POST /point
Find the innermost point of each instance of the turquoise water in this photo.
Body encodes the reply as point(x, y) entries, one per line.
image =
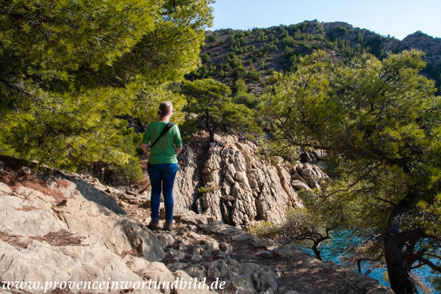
point(334, 248)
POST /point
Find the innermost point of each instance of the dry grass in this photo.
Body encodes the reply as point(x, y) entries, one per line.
point(13, 240)
point(15, 176)
point(60, 238)
point(27, 208)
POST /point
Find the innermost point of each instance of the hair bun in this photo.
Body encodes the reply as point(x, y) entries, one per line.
point(165, 108)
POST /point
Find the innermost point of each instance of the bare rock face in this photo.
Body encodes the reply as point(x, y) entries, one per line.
point(29, 217)
point(40, 261)
point(50, 232)
point(236, 185)
point(187, 178)
point(117, 233)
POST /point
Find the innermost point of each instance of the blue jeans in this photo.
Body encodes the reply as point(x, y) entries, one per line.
point(162, 177)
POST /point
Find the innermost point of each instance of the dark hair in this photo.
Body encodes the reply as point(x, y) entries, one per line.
point(164, 108)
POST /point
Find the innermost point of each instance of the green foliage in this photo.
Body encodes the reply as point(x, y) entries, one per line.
point(70, 69)
point(264, 229)
point(435, 73)
point(254, 75)
point(341, 31)
point(302, 226)
point(237, 39)
point(340, 40)
point(239, 72)
point(239, 86)
point(261, 37)
point(56, 37)
point(374, 46)
point(212, 38)
point(379, 122)
point(205, 58)
point(432, 215)
point(147, 98)
point(205, 189)
point(234, 61)
point(209, 100)
point(206, 98)
point(240, 119)
point(69, 132)
point(249, 100)
point(288, 41)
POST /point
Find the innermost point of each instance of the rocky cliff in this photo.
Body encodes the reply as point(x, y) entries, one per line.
point(68, 232)
point(236, 185)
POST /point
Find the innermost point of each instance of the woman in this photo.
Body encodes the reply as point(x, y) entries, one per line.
point(163, 163)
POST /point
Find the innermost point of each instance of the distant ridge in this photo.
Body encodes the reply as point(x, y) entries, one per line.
point(250, 56)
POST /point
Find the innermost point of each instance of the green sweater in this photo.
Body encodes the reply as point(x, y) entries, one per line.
point(164, 149)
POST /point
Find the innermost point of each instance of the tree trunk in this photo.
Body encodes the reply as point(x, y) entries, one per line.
point(316, 251)
point(394, 252)
point(209, 128)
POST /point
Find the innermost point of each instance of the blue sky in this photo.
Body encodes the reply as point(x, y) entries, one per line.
point(397, 18)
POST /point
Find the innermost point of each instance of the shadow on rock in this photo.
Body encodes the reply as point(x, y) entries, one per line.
point(93, 194)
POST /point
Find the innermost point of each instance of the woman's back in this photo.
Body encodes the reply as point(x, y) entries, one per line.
point(164, 149)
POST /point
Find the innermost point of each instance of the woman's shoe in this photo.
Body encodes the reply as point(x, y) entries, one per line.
point(168, 226)
point(153, 225)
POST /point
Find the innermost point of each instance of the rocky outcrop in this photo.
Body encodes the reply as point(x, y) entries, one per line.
point(236, 185)
point(420, 41)
point(53, 234)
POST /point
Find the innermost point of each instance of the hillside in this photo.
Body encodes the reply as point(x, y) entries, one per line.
point(253, 55)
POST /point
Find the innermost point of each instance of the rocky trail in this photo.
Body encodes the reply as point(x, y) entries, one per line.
point(60, 227)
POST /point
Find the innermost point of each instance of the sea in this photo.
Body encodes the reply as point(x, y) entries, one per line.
point(335, 248)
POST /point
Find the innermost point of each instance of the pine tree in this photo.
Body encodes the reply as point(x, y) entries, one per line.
point(71, 70)
point(209, 100)
point(379, 124)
